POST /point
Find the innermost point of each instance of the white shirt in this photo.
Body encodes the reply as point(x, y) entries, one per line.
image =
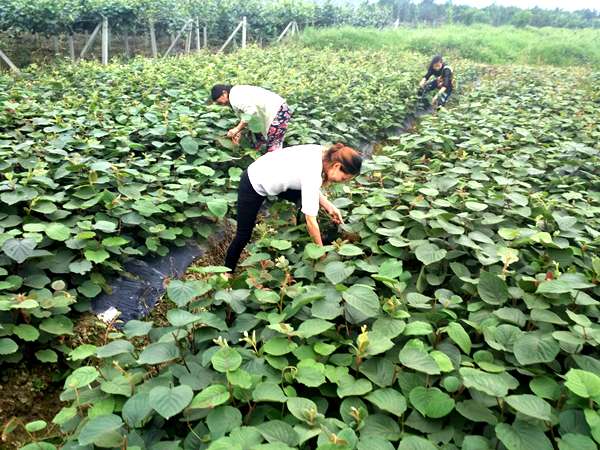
point(298, 167)
point(255, 100)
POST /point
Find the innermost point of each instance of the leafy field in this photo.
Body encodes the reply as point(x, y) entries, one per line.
point(458, 309)
point(102, 165)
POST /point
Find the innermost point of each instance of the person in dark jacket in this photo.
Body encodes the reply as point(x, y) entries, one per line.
point(443, 81)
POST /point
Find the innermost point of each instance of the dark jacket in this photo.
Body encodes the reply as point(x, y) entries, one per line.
point(443, 76)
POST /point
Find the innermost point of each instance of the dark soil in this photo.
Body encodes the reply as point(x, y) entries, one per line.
point(29, 391)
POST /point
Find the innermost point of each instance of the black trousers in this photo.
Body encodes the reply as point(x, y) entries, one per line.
point(432, 86)
point(248, 205)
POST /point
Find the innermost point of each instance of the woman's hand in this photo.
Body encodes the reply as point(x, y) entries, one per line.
point(237, 138)
point(233, 132)
point(335, 214)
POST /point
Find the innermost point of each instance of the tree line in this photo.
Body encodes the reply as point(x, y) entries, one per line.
point(269, 16)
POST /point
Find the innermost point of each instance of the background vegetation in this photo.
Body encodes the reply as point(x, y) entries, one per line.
point(483, 43)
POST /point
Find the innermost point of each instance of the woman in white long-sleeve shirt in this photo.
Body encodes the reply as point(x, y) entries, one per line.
point(270, 108)
point(293, 173)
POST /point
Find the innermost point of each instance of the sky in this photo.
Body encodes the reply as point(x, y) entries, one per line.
point(567, 5)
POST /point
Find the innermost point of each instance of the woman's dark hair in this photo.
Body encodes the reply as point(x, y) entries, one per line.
point(436, 59)
point(218, 89)
point(349, 159)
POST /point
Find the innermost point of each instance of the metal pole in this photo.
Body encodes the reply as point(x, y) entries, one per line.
point(105, 41)
point(90, 41)
point(244, 31)
point(231, 37)
point(153, 45)
point(7, 60)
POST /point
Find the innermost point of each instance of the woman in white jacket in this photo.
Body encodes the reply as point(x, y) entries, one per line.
point(295, 174)
point(270, 108)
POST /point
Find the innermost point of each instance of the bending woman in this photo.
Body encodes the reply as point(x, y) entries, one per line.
point(443, 81)
point(293, 173)
point(271, 109)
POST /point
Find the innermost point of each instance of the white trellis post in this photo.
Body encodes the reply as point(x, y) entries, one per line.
point(176, 39)
point(244, 31)
point(90, 41)
point(188, 40)
point(198, 43)
point(153, 45)
point(105, 41)
point(230, 38)
point(126, 39)
point(205, 35)
point(7, 60)
point(72, 47)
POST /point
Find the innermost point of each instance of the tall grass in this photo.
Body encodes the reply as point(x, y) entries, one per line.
point(482, 43)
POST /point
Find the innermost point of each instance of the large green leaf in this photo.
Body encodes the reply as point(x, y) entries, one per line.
point(388, 400)
point(363, 299)
point(429, 253)
point(211, 397)
point(137, 409)
point(533, 348)
point(419, 360)
point(102, 431)
point(494, 384)
point(492, 289)
point(159, 352)
point(522, 436)
point(431, 402)
point(170, 401)
point(584, 384)
point(337, 271)
point(8, 346)
point(530, 405)
point(226, 359)
point(19, 249)
point(183, 292)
